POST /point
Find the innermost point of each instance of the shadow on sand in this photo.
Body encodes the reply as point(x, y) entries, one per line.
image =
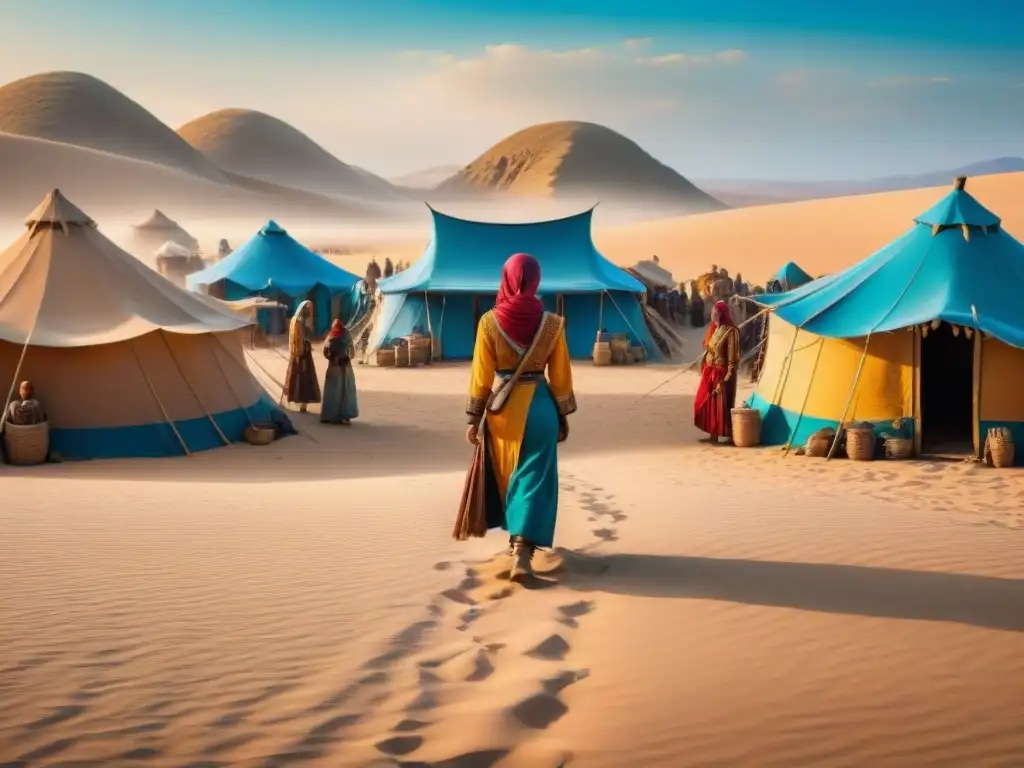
point(980, 601)
point(397, 434)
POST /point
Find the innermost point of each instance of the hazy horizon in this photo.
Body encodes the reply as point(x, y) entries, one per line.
point(797, 93)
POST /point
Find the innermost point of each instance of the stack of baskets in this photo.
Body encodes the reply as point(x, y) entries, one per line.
point(746, 427)
point(27, 445)
point(860, 442)
point(999, 449)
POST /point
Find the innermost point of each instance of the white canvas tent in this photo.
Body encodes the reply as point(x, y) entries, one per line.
point(125, 362)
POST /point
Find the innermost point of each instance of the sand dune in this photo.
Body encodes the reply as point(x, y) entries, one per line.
point(262, 147)
point(120, 189)
point(820, 235)
point(78, 109)
point(576, 159)
point(427, 178)
point(307, 605)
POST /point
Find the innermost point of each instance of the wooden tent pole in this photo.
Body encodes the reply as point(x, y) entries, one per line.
point(807, 395)
point(227, 381)
point(152, 390)
point(849, 399)
point(177, 364)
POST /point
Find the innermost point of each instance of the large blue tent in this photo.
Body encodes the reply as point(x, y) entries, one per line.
point(836, 352)
point(275, 265)
point(956, 261)
point(457, 277)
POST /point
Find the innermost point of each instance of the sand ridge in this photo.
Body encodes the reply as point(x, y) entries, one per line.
point(261, 146)
point(307, 604)
point(576, 158)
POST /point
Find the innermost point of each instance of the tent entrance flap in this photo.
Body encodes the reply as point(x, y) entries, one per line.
point(947, 392)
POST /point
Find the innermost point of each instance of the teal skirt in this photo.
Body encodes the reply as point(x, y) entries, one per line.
point(340, 402)
point(530, 507)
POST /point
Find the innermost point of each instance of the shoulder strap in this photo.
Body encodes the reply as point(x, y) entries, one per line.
point(500, 395)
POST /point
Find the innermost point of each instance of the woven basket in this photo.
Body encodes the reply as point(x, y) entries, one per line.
point(401, 356)
point(257, 435)
point(620, 343)
point(618, 356)
point(746, 427)
point(860, 443)
point(27, 445)
point(386, 357)
point(638, 353)
point(602, 353)
point(899, 448)
point(999, 450)
point(817, 446)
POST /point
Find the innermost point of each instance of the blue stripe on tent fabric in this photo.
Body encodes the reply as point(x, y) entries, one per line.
point(158, 439)
point(777, 423)
point(1016, 429)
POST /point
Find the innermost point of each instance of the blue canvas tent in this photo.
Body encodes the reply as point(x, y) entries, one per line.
point(457, 277)
point(792, 276)
point(275, 265)
point(837, 349)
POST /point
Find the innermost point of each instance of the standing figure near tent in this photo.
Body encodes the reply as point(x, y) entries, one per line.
point(516, 427)
point(300, 384)
point(340, 404)
point(696, 306)
point(716, 395)
point(389, 268)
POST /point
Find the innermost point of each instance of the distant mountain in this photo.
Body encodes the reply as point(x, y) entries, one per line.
point(759, 191)
point(576, 159)
point(428, 178)
point(77, 109)
point(263, 147)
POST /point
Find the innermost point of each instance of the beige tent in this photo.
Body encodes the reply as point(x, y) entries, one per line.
point(125, 362)
point(157, 229)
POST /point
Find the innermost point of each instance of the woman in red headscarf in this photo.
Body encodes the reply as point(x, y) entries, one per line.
point(517, 417)
point(340, 404)
point(716, 395)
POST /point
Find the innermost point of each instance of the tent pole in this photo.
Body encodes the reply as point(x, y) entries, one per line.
point(979, 348)
point(600, 312)
point(440, 329)
point(227, 381)
point(849, 399)
point(177, 364)
point(156, 397)
point(628, 324)
point(430, 325)
point(807, 394)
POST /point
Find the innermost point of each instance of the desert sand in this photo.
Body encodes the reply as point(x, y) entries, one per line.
point(303, 603)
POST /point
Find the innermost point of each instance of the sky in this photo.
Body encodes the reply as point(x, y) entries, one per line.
point(733, 89)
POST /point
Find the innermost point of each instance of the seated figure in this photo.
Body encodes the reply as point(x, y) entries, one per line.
point(25, 410)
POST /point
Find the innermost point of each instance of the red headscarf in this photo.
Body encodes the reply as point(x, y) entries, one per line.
point(517, 308)
point(337, 328)
point(724, 318)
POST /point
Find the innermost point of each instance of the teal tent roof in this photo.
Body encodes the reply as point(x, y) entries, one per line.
point(793, 275)
point(467, 256)
point(956, 257)
point(274, 259)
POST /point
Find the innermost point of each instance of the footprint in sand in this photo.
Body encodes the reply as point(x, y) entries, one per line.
point(554, 648)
